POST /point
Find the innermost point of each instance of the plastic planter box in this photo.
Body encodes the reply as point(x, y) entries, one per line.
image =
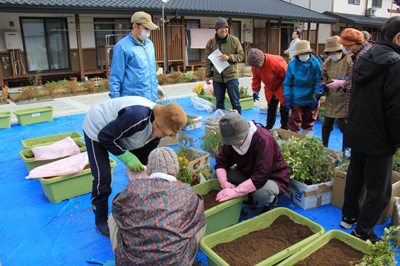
point(64, 187)
point(350, 240)
point(29, 159)
point(245, 103)
point(34, 115)
point(5, 120)
point(46, 140)
point(223, 215)
point(260, 222)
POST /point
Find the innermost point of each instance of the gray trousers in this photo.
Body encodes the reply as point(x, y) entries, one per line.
point(262, 196)
point(112, 225)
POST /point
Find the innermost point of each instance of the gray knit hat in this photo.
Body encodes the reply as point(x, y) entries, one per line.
point(233, 128)
point(221, 22)
point(162, 160)
point(255, 57)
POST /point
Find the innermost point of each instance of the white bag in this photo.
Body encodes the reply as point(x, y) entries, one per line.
point(201, 104)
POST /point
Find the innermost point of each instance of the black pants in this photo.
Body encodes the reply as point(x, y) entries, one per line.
point(373, 173)
point(271, 118)
point(329, 124)
point(101, 170)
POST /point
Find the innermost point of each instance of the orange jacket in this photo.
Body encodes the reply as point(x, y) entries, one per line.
point(272, 74)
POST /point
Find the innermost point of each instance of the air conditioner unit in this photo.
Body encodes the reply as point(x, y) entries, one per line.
point(371, 12)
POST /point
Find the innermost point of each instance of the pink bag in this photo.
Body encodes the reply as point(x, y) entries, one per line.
point(70, 165)
point(59, 149)
point(136, 175)
point(208, 87)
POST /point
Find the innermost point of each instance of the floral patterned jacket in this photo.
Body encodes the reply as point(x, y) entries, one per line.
point(157, 221)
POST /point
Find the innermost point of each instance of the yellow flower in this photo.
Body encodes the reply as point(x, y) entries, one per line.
point(187, 161)
point(184, 167)
point(180, 159)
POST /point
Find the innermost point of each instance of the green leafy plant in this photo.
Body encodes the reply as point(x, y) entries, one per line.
point(383, 251)
point(244, 92)
point(396, 162)
point(308, 163)
point(189, 120)
point(212, 140)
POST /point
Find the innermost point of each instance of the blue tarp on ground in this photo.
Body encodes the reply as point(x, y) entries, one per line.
point(34, 231)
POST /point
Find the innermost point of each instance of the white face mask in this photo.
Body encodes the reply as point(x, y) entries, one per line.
point(347, 52)
point(304, 58)
point(335, 57)
point(145, 35)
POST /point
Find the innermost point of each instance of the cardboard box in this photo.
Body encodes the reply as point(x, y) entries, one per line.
point(196, 123)
point(396, 218)
point(285, 135)
point(168, 141)
point(309, 196)
point(264, 110)
point(339, 184)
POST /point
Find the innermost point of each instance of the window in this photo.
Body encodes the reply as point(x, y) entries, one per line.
point(193, 55)
point(109, 31)
point(354, 2)
point(46, 44)
point(377, 3)
point(236, 30)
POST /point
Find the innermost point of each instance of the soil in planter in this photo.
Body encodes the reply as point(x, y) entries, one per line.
point(335, 252)
point(209, 199)
point(259, 245)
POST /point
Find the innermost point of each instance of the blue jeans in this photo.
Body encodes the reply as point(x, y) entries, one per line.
point(233, 91)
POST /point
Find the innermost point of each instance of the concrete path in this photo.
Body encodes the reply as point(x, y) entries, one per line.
point(81, 104)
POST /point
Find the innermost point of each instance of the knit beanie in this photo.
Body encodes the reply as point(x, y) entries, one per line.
point(220, 22)
point(162, 160)
point(233, 128)
point(255, 57)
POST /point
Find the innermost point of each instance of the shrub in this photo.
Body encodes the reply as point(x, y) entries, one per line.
point(175, 77)
point(51, 88)
point(199, 74)
point(90, 85)
point(28, 93)
point(71, 88)
point(162, 79)
point(104, 85)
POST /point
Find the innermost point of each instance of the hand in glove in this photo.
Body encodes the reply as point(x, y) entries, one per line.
point(223, 179)
point(287, 103)
point(255, 96)
point(131, 161)
point(314, 104)
point(321, 90)
point(336, 83)
point(230, 193)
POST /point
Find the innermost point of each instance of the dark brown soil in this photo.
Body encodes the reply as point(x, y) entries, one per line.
point(209, 199)
point(335, 252)
point(259, 245)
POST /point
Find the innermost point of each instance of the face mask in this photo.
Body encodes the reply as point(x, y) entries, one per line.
point(145, 35)
point(304, 58)
point(347, 52)
point(335, 57)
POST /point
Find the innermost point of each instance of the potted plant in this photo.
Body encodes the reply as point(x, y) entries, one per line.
point(193, 122)
point(246, 99)
point(311, 169)
point(73, 79)
point(212, 141)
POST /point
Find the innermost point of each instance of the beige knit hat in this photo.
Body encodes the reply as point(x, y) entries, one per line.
point(303, 47)
point(332, 45)
point(255, 57)
point(162, 160)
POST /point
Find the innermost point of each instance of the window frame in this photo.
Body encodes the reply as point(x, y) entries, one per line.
point(354, 2)
point(375, 3)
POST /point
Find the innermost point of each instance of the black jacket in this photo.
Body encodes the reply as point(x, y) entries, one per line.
point(374, 111)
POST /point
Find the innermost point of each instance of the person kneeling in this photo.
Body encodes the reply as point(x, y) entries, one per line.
point(157, 220)
point(260, 168)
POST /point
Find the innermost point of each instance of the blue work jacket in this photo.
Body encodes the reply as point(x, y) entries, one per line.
point(133, 69)
point(302, 81)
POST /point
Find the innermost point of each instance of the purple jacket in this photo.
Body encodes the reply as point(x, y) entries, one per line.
point(262, 161)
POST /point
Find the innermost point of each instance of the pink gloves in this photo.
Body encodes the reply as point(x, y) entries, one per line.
point(336, 84)
point(222, 176)
point(230, 193)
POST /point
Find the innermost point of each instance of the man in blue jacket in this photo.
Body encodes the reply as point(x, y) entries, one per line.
point(130, 128)
point(133, 68)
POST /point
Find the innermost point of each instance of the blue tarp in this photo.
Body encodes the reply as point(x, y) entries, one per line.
point(34, 231)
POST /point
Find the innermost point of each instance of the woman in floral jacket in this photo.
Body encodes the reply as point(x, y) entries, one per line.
point(157, 220)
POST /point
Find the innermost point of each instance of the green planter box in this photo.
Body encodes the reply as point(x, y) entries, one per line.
point(223, 215)
point(34, 115)
point(29, 159)
point(321, 114)
point(260, 222)
point(5, 120)
point(350, 240)
point(46, 140)
point(245, 103)
point(60, 188)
